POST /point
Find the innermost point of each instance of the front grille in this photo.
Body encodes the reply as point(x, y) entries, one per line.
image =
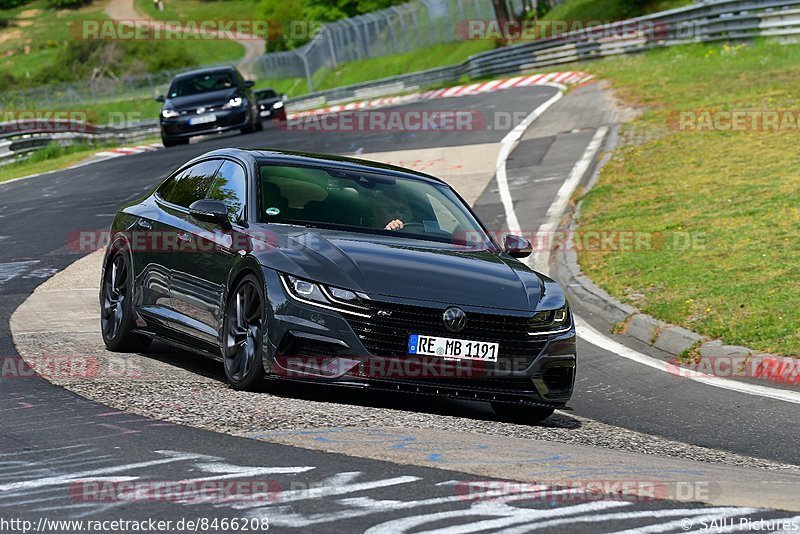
point(387, 335)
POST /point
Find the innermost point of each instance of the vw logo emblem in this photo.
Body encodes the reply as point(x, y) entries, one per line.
point(201, 109)
point(454, 319)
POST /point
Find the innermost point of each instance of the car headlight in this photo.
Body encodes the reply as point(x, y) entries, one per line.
point(277, 105)
point(547, 321)
point(169, 113)
point(234, 102)
point(317, 293)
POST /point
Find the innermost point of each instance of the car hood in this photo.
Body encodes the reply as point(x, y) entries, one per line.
point(404, 268)
point(213, 98)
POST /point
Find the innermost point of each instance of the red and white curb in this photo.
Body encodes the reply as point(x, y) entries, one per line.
point(563, 78)
point(129, 150)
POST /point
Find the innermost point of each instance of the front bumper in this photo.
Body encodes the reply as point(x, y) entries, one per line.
point(272, 114)
point(225, 119)
point(308, 343)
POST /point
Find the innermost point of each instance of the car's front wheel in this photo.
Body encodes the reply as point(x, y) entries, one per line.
point(169, 142)
point(116, 307)
point(517, 413)
point(243, 333)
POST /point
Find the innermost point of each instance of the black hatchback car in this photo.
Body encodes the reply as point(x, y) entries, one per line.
point(317, 268)
point(207, 101)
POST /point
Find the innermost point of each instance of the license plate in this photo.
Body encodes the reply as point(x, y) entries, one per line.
point(464, 349)
point(265, 113)
point(203, 119)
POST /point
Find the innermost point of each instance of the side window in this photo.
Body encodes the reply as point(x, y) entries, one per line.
point(444, 217)
point(230, 186)
point(190, 185)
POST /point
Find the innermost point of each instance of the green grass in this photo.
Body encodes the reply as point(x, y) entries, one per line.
point(50, 158)
point(585, 10)
point(735, 192)
point(197, 10)
point(32, 42)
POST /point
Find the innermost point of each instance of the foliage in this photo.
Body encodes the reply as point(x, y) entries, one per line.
point(293, 22)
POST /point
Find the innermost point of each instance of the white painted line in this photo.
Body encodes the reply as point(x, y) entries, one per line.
point(506, 146)
point(540, 260)
point(591, 335)
point(552, 218)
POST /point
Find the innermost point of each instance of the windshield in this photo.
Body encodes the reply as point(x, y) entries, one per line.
point(265, 93)
point(201, 83)
point(367, 202)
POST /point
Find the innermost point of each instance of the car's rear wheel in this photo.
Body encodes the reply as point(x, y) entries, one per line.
point(116, 307)
point(243, 333)
point(517, 413)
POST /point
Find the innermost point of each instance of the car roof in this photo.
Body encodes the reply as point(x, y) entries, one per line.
point(206, 70)
point(290, 157)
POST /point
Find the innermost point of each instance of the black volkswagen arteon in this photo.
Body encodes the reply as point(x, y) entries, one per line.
point(305, 267)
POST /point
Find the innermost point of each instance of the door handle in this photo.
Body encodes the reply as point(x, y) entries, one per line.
point(144, 224)
point(183, 236)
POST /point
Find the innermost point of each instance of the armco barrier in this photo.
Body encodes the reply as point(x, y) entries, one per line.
point(714, 21)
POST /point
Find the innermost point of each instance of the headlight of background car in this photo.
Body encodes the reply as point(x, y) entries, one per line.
point(233, 103)
point(549, 320)
point(277, 105)
point(305, 290)
point(169, 113)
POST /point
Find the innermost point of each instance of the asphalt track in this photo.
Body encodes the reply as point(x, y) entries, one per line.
point(50, 437)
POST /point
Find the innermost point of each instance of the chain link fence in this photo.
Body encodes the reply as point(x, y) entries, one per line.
point(396, 30)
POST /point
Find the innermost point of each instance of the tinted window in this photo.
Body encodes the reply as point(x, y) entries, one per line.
point(230, 186)
point(367, 202)
point(202, 83)
point(191, 184)
point(265, 93)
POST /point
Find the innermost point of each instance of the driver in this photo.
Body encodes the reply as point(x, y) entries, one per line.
point(391, 209)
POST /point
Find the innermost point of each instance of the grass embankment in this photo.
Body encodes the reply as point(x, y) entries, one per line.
point(587, 10)
point(35, 48)
point(736, 192)
point(52, 158)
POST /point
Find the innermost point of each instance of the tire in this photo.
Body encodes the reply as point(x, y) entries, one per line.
point(243, 334)
point(167, 142)
point(251, 126)
point(117, 319)
point(518, 413)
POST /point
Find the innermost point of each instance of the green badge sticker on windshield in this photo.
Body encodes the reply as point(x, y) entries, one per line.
point(273, 211)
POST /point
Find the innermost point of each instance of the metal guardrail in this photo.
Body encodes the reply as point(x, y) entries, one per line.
point(721, 20)
point(17, 140)
point(714, 21)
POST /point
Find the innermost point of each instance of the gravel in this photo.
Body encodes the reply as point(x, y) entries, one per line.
point(189, 390)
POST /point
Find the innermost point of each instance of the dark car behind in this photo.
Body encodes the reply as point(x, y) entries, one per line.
point(271, 105)
point(207, 101)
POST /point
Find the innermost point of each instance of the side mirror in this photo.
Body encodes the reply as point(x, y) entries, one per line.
point(517, 246)
point(160, 98)
point(249, 83)
point(214, 211)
